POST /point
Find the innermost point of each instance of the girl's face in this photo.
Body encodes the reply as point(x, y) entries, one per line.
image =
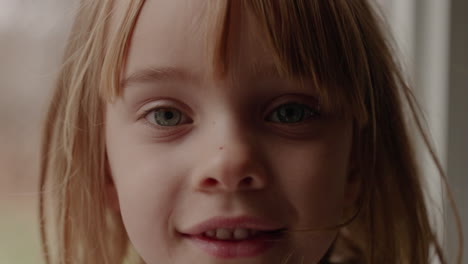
point(208, 169)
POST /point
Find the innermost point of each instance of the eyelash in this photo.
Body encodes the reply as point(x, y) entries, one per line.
point(310, 113)
point(152, 125)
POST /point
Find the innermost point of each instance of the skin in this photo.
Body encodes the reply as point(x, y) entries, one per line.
point(226, 157)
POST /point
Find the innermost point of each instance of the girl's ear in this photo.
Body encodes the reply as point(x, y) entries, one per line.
point(353, 188)
point(354, 181)
point(112, 199)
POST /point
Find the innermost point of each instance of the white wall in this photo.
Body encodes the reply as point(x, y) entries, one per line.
point(32, 34)
point(457, 148)
point(433, 38)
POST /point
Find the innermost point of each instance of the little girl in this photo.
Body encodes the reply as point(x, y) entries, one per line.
point(231, 131)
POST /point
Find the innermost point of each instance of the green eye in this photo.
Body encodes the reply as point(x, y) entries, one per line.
point(292, 113)
point(165, 117)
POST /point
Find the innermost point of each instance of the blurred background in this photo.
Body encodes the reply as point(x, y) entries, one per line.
point(432, 38)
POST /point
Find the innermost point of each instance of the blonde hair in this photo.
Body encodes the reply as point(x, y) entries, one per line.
point(339, 44)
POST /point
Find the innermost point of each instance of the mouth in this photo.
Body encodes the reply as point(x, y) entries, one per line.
point(238, 234)
point(235, 237)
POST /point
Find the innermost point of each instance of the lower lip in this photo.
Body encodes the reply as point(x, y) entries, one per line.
point(234, 249)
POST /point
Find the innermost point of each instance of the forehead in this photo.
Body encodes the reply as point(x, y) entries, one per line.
point(180, 34)
point(315, 44)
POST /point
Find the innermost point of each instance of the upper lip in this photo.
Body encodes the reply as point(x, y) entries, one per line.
point(231, 223)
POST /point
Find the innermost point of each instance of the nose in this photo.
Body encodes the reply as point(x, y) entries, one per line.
point(233, 166)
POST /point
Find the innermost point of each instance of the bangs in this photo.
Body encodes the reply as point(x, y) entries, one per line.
point(309, 40)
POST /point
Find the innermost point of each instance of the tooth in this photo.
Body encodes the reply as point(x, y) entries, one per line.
point(241, 233)
point(211, 233)
point(223, 234)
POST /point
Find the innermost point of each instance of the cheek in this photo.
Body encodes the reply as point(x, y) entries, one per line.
point(147, 185)
point(313, 177)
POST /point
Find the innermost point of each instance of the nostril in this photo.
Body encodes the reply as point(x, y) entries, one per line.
point(210, 182)
point(246, 181)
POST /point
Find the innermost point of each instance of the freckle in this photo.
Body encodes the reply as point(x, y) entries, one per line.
point(221, 148)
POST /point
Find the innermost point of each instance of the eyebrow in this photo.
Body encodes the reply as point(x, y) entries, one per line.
point(159, 74)
point(155, 74)
point(265, 71)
